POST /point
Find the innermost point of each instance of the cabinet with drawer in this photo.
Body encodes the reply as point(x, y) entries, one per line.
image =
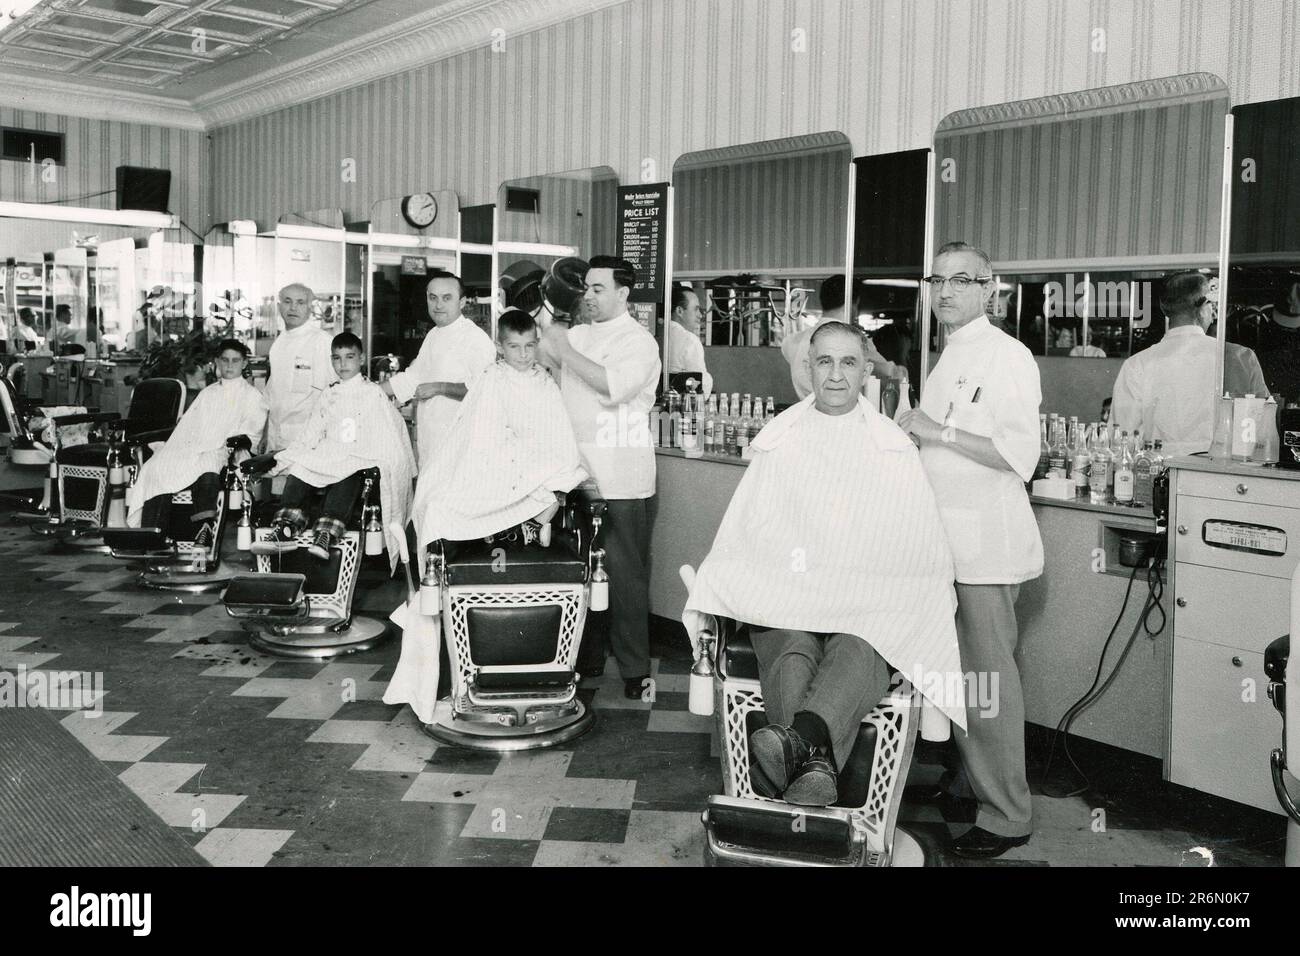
point(1234, 543)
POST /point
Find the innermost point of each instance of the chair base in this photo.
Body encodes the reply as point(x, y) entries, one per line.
point(163, 577)
point(76, 533)
point(319, 640)
point(482, 734)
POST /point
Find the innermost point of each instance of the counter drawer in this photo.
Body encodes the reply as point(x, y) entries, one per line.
point(1230, 608)
point(1189, 546)
point(1259, 489)
point(1219, 743)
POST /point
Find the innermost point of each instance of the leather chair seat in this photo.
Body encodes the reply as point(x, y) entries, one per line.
point(478, 563)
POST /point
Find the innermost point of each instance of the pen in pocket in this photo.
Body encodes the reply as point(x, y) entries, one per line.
point(976, 397)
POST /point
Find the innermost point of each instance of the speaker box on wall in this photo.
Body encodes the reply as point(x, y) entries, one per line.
point(142, 188)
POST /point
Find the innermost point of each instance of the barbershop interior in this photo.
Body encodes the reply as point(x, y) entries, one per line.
point(649, 433)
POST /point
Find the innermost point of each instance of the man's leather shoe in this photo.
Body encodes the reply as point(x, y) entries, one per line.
point(817, 784)
point(762, 786)
point(979, 844)
point(634, 687)
point(780, 752)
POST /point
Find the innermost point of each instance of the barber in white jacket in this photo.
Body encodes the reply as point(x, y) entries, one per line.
point(300, 367)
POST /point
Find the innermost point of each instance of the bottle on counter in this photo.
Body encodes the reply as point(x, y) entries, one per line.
point(1221, 443)
point(1143, 477)
point(1124, 472)
point(1112, 446)
point(1079, 461)
point(1098, 468)
point(711, 425)
point(1270, 444)
point(743, 425)
point(1058, 457)
point(729, 427)
point(1158, 458)
point(1044, 449)
point(904, 397)
point(769, 410)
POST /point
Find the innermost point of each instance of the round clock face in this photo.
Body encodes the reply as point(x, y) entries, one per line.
point(420, 210)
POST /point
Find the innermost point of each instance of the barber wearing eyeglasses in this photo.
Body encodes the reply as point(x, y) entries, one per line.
point(977, 428)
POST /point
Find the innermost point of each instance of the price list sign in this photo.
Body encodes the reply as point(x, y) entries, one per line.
point(642, 232)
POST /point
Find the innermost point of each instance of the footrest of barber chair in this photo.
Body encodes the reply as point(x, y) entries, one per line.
point(761, 833)
point(490, 680)
point(268, 598)
point(517, 724)
point(136, 543)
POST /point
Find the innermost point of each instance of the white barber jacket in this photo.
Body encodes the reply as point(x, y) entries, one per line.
point(614, 433)
point(300, 371)
point(686, 353)
point(456, 353)
point(986, 383)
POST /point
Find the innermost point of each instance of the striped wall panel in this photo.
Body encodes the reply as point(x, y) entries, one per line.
point(787, 212)
point(637, 85)
point(94, 149)
point(1138, 183)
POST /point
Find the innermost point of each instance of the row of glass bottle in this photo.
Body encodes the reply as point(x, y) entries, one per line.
point(1106, 464)
point(716, 425)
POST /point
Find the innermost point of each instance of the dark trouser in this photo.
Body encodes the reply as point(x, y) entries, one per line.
point(993, 747)
point(625, 536)
point(838, 677)
point(340, 499)
point(205, 491)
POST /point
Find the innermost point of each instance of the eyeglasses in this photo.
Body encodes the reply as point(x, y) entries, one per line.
point(959, 283)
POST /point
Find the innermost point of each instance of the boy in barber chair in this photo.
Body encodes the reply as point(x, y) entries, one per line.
point(197, 450)
point(353, 427)
point(509, 455)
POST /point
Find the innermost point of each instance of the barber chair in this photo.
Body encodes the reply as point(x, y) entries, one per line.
point(170, 558)
point(299, 606)
point(512, 616)
point(25, 449)
point(1285, 759)
point(744, 828)
point(81, 472)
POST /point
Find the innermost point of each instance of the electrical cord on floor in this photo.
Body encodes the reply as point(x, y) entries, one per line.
point(1155, 591)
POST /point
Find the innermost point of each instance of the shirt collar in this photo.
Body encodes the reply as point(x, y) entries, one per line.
point(971, 330)
point(1193, 329)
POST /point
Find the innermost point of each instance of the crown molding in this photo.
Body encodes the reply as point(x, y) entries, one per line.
point(1143, 94)
point(447, 30)
point(768, 149)
point(40, 94)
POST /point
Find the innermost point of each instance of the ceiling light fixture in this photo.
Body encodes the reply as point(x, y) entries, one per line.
point(101, 217)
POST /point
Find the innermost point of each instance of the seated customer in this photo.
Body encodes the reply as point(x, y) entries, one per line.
point(196, 451)
point(509, 453)
point(833, 553)
point(352, 427)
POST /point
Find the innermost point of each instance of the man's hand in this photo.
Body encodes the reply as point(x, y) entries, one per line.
point(427, 391)
point(918, 423)
point(555, 341)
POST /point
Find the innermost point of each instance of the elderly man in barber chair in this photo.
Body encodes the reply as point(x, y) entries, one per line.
point(833, 553)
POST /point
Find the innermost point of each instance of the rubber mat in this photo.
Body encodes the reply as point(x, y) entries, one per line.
point(63, 807)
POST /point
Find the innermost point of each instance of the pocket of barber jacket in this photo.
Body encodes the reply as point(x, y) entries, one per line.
point(973, 417)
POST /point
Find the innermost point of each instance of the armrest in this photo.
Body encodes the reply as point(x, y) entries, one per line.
point(86, 418)
point(258, 465)
point(144, 438)
point(589, 499)
point(239, 443)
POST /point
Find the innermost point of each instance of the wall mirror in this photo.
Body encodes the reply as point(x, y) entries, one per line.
point(1263, 311)
point(756, 229)
point(399, 257)
point(311, 248)
point(1084, 201)
point(541, 219)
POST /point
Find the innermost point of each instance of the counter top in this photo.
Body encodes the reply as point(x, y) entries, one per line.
point(1083, 504)
point(1217, 466)
point(716, 459)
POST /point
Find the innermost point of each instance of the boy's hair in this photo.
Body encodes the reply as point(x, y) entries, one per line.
point(515, 320)
point(346, 340)
point(232, 345)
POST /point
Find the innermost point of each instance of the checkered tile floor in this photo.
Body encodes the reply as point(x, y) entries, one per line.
point(259, 761)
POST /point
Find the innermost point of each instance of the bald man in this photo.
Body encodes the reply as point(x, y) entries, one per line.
point(300, 367)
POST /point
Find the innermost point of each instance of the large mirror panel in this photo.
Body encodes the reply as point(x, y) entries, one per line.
point(1085, 202)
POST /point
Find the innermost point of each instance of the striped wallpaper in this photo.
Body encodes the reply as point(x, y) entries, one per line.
point(1143, 182)
point(93, 149)
point(787, 212)
point(639, 84)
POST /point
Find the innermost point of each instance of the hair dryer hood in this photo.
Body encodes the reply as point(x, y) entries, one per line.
point(565, 283)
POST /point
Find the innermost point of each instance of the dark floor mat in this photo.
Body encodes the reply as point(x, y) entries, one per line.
point(63, 807)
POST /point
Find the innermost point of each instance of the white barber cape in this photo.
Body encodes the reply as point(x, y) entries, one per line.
point(834, 529)
point(300, 371)
point(986, 383)
point(456, 353)
point(354, 426)
point(510, 449)
point(198, 444)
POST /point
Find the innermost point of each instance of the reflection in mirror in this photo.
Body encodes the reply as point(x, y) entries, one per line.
point(24, 302)
point(542, 219)
point(1263, 312)
point(757, 229)
point(230, 281)
point(310, 249)
point(888, 262)
point(1084, 201)
point(118, 298)
point(71, 284)
point(401, 257)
